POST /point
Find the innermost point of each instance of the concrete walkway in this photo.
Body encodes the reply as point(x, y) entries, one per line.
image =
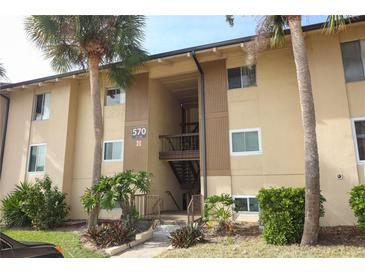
point(153, 247)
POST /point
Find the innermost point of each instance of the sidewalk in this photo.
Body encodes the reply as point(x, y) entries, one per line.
point(153, 247)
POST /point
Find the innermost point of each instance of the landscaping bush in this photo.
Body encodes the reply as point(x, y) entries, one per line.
point(357, 203)
point(187, 236)
point(118, 189)
point(219, 208)
point(12, 208)
point(111, 234)
point(282, 214)
point(38, 204)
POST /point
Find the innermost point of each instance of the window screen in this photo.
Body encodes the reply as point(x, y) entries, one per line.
point(242, 77)
point(114, 97)
point(353, 60)
point(42, 106)
point(249, 76)
point(246, 204)
point(113, 150)
point(37, 157)
point(360, 138)
point(245, 141)
point(234, 78)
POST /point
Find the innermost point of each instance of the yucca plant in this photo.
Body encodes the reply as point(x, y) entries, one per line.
point(13, 208)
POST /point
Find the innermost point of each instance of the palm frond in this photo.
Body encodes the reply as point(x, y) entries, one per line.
point(69, 41)
point(230, 20)
point(2, 71)
point(335, 23)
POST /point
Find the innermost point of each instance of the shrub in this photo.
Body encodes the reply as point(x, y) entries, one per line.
point(119, 188)
point(282, 214)
point(357, 203)
point(12, 208)
point(37, 204)
point(187, 236)
point(111, 234)
point(219, 208)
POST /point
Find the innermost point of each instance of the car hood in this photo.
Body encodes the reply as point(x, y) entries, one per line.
point(35, 244)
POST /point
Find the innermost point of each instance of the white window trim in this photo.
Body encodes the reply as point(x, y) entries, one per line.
point(35, 145)
point(113, 141)
point(245, 153)
point(120, 102)
point(353, 120)
point(248, 204)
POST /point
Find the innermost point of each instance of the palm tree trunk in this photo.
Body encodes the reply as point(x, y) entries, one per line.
point(312, 187)
point(98, 130)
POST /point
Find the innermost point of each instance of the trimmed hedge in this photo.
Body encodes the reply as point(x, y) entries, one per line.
point(357, 203)
point(282, 214)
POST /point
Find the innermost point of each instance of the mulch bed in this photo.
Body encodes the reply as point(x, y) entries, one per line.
point(334, 235)
point(344, 235)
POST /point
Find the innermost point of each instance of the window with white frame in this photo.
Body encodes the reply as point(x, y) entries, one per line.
point(42, 106)
point(114, 96)
point(241, 77)
point(358, 125)
point(113, 150)
point(244, 203)
point(353, 58)
point(37, 158)
point(245, 141)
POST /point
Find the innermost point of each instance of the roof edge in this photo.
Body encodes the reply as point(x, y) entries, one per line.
point(312, 27)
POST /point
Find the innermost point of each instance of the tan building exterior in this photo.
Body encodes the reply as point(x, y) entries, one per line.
point(254, 135)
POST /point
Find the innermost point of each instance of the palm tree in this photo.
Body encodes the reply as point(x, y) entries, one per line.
point(90, 41)
point(2, 71)
point(272, 28)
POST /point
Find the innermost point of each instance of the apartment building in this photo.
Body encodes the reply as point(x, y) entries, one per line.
point(202, 121)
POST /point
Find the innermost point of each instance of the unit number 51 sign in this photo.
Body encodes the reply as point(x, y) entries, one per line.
point(139, 132)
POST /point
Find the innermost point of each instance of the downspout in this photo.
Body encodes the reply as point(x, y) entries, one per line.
point(5, 129)
point(204, 131)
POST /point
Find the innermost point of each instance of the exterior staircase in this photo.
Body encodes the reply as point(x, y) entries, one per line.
point(186, 172)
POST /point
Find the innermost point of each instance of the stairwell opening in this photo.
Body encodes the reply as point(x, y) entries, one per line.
point(179, 144)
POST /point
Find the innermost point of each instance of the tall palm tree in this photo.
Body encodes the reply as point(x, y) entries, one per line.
point(272, 28)
point(88, 42)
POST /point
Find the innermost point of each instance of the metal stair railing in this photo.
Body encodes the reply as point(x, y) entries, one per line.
point(195, 208)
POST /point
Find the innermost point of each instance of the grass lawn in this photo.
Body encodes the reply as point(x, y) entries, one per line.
point(69, 241)
point(339, 242)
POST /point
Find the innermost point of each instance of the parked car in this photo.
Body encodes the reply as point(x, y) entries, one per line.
point(10, 248)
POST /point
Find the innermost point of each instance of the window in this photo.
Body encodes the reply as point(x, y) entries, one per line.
point(4, 245)
point(42, 106)
point(37, 157)
point(353, 57)
point(114, 97)
point(242, 77)
point(359, 136)
point(245, 141)
point(113, 150)
point(246, 204)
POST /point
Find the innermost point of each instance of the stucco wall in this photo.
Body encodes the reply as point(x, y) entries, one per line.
point(164, 118)
point(23, 131)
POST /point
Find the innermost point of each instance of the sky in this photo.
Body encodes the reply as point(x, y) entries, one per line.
point(23, 61)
